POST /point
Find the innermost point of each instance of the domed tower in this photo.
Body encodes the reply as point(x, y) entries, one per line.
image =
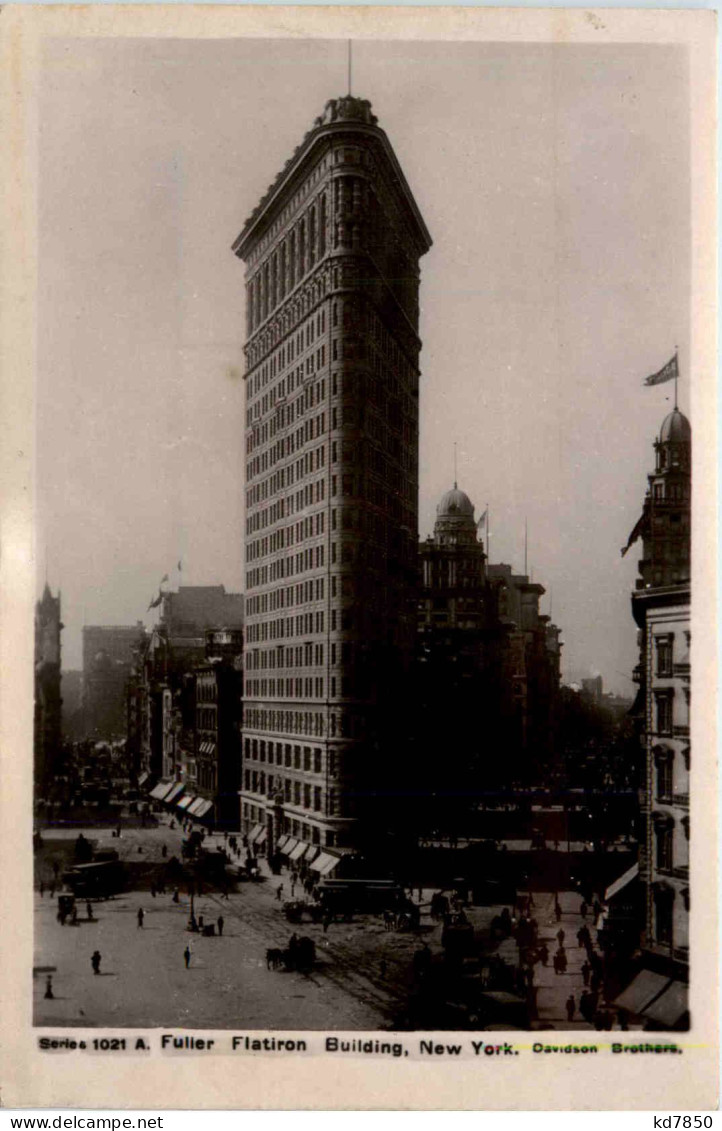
point(667, 511)
point(661, 609)
point(453, 566)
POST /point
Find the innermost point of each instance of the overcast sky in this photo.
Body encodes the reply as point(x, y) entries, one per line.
point(554, 181)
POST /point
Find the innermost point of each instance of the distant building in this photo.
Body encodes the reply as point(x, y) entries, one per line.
point(332, 382)
point(487, 677)
point(531, 666)
point(661, 609)
point(71, 687)
point(47, 739)
point(108, 652)
point(160, 698)
point(214, 775)
point(593, 688)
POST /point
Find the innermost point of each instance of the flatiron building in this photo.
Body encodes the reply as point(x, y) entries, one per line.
point(331, 446)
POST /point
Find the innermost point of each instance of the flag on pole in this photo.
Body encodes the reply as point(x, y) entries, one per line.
point(164, 578)
point(669, 372)
point(484, 518)
point(179, 567)
point(155, 603)
point(637, 532)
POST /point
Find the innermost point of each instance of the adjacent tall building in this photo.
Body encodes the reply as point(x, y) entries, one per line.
point(47, 737)
point(332, 381)
point(661, 609)
point(108, 652)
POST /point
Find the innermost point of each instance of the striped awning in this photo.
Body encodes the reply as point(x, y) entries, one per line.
point(670, 1006)
point(298, 851)
point(281, 842)
point(207, 748)
point(325, 864)
point(174, 793)
point(186, 801)
point(255, 833)
point(288, 846)
point(312, 851)
point(200, 807)
point(161, 790)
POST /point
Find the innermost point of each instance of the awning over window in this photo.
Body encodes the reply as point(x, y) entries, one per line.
point(161, 790)
point(643, 990)
point(202, 808)
point(281, 842)
point(298, 851)
point(621, 883)
point(260, 839)
point(255, 837)
point(174, 793)
point(670, 1005)
point(186, 801)
point(143, 778)
point(324, 864)
point(207, 748)
point(312, 851)
point(289, 846)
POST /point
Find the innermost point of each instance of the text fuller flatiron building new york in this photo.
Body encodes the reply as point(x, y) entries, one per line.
point(332, 380)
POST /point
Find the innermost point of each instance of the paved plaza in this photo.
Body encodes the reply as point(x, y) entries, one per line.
point(361, 980)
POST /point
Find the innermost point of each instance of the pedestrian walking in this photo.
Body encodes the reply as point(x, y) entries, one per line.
point(52, 891)
point(164, 851)
point(279, 892)
point(583, 909)
point(586, 971)
point(89, 911)
point(42, 889)
point(176, 896)
point(557, 911)
point(152, 890)
point(561, 936)
point(187, 956)
point(74, 916)
point(571, 1007)
point(95, 961)
point(221, 921)
point(544, 954)
point(140, 916)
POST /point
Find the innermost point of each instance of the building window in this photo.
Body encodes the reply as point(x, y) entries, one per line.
point(664, 703)
point(663, 915)
point(664, 645)
point(664, 761)
point(664, 833)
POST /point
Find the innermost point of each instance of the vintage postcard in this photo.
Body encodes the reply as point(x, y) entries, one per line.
point(358, 575)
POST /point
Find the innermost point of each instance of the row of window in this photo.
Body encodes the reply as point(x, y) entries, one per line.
point(306, 655)
point(310, 430)
point(306, 758)
point(342, 723)
point(299, 594)
point(304, 245)
point(310, 687)
point(310, 526)
point(291, 503)
point(313, 557)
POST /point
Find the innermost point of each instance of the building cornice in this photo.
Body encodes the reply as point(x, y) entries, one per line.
point(355, 120)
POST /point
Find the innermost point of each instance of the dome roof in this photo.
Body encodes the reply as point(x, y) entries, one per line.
point(455, 504)
point(675, 428)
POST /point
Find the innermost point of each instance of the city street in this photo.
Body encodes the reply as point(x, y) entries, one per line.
point(361, 980)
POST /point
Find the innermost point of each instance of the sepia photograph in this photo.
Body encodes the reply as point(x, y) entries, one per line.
point(365, 383)
point(363, 623)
